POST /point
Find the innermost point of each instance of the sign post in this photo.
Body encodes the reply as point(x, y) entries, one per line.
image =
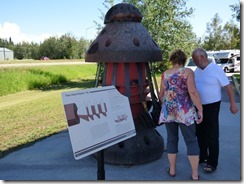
point(97, 118)
point(100, 166)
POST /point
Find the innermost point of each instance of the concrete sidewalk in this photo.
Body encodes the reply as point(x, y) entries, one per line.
point(52, 159)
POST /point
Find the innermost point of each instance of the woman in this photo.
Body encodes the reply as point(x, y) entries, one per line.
point(181, 108)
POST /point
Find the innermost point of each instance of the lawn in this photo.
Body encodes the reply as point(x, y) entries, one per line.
point(16, 79)
point(30, 115)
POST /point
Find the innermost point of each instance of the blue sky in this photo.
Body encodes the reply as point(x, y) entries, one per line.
point(35, 20)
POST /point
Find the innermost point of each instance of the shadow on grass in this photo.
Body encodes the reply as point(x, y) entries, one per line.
point(85, 83)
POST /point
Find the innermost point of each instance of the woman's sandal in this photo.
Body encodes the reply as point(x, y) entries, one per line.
point(196, 178)
point(209, 169)
point(168, 171)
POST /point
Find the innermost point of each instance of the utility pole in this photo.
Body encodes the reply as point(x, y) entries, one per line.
point(86, 35)
point(88, 29)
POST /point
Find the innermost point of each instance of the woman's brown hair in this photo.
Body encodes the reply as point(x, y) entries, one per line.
point(178, 57)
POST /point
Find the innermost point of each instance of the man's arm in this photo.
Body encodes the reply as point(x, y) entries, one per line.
point(230, 93)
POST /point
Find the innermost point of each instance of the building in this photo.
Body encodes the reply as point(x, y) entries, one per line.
point(6, 54)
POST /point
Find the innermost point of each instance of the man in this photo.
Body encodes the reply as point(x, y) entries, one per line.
point(210, 78)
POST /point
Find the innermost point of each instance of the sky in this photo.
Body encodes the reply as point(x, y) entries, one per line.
point(28, 20)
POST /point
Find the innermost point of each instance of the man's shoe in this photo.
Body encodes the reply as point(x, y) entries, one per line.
point(203, 161)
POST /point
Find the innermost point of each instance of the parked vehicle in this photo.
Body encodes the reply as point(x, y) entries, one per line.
point(190, 63)
point(225, 54)
point(211, 53)
point(231, 64)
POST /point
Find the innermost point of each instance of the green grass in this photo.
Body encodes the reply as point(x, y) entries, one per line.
point(31, 115)
point(14, 80)
point(238, 77)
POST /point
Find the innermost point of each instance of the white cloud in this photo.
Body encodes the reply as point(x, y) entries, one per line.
point(12, 30)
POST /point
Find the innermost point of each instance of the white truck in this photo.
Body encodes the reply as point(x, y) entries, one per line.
point(230, 64)
point(225, 54)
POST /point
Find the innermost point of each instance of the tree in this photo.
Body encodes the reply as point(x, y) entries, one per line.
point(166, 22)
point(236, 9)
point(221, 38)
point(82, 46)
point(107, 4)
point(34, 49)
point(214, 39)
point(7, 44)
point(231, 36)
point(18, 51)
point(49, 48)
point(67, 47)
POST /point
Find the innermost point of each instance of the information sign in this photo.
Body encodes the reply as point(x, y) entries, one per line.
point(97, 118)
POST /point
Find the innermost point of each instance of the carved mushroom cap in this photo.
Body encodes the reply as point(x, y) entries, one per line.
point(123, 12)
point(123, 39)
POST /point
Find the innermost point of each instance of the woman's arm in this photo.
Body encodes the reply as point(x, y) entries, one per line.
point(194, 94)
point(161, 91)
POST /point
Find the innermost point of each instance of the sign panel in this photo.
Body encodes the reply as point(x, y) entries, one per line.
point(97, 118)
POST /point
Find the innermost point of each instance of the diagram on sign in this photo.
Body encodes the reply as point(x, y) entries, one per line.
point(120, 118)
point(87, 112)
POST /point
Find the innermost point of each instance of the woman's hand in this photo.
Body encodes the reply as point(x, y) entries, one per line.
point(200, 117)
